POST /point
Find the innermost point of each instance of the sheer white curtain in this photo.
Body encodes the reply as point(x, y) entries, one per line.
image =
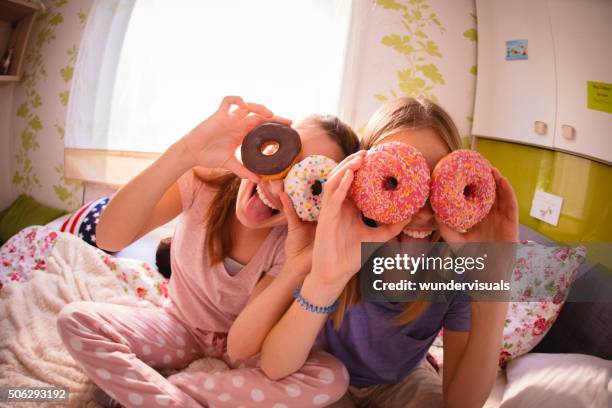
point(149, 70)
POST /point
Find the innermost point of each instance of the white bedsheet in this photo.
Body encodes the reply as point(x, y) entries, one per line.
point(66, 269)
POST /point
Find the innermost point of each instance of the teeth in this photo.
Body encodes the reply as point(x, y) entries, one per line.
point(263, 198)
point(417, 234)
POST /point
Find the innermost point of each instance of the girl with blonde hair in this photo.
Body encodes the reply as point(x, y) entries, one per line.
point(384, 345)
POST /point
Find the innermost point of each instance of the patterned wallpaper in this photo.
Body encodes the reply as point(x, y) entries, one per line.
point(40, 102)
point(418, 48)
point(413, 47)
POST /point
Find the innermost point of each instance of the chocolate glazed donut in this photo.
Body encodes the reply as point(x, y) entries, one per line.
point(276, 164)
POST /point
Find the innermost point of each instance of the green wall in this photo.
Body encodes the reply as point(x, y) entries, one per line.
point(585, 185)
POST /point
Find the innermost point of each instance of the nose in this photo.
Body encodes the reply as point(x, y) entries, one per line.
point(425, 216)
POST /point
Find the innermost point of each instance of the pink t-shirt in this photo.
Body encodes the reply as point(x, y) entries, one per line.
point(208, 297)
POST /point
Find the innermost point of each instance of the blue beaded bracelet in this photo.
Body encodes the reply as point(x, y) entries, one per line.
point(309, 306)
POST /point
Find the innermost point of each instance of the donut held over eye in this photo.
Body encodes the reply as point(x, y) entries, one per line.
point(392, 184)
point(270, 150)
point(304, 185)
point(462, 189)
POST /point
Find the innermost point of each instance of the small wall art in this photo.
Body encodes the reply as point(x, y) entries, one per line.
point(516, 50)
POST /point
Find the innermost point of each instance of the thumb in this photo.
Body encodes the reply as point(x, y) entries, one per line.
point(233, 165)
point(447, 233)
point(253, 120)
point(293, 221)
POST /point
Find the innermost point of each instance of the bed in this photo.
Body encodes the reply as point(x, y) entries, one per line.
point(42, 269)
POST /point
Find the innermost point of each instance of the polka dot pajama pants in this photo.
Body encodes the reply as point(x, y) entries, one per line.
point(121, 348)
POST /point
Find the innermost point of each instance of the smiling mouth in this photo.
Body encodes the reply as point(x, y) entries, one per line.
point(418, 234)
point(264, 199)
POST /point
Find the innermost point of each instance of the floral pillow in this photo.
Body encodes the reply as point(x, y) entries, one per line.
point(543, 276)
point(138, 278)
point(26, 253)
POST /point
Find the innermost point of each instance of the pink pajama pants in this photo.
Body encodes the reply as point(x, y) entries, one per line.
point(121, 348)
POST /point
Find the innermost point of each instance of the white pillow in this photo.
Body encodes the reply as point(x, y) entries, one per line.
point(56, 224)
point(558, 380)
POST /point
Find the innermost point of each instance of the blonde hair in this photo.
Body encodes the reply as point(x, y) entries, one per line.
point(406, 113)
point(394, 116)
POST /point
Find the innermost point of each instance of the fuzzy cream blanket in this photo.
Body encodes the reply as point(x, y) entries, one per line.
point(31, 352)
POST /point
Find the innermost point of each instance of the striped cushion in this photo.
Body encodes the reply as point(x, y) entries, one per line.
point(83, 222)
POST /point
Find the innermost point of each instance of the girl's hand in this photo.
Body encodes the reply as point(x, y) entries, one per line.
point(300, 238)
point(213, 143)
point(500, 225)
point(340, 229)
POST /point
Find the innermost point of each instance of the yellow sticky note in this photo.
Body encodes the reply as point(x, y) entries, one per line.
point(599, 96)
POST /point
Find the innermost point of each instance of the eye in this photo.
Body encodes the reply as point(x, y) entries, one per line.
point(269, 148)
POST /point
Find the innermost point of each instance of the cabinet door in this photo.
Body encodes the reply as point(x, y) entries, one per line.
point(511, 95)
point(582, 33)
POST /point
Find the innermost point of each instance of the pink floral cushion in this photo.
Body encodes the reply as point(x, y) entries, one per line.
point(137, 277)
point(543, 275)
point(25, 255)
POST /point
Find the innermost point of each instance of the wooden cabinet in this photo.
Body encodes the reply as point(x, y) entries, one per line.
point(582, 31)
point(511, 96)
point(542, 100)
point(16, 20)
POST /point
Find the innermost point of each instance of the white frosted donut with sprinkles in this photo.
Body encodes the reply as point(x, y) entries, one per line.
point(304, 185)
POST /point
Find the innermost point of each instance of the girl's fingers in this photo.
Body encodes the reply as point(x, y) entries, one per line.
point(339, 195)
point(352, 155)
point(239, 113)
point(233, 165)
point(331, 184)
point(496, 173)
point(348, 159)
point(259, 109)
point(250, 108)
point(334, 197)
point(228, 101)
point(447, 233)
point(498, 186)
point(253, 120)
point(506, 199)
point(281, 120)
point(352, 162)
point(293, 221)
point(260, 120)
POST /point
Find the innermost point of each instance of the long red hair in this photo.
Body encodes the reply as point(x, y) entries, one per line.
point(223, 204)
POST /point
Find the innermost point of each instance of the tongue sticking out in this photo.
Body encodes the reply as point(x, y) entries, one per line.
point(257, 210)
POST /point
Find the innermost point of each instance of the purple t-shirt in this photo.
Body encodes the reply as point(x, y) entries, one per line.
point(376, 350)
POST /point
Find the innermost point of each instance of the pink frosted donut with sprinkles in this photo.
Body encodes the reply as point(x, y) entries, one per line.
point(304, 185)
point(462, 189)
point(392, 184)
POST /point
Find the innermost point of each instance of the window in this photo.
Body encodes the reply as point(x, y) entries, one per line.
point(152, 69)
